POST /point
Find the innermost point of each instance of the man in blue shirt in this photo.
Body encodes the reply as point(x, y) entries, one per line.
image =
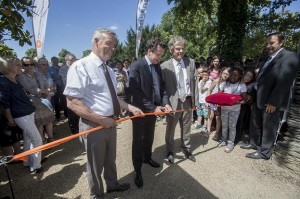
point(58, 99)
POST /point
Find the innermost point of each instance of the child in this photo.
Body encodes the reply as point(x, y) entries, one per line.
point(215, 111)
point(215, 68)
point(230, 114)
point(244, 118)
point(202, 111)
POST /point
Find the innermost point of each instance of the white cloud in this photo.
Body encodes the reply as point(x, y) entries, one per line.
point(114, 27)
point(67, 24)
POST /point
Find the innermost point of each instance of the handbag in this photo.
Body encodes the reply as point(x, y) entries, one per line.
point(42, 111)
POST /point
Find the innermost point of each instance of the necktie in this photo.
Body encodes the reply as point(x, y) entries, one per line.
point(181, 85)
point(262, 70)
point(156, 85)
point(112, 91)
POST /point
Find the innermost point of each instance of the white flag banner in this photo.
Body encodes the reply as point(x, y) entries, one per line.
point(39, 21)
point(140, 17)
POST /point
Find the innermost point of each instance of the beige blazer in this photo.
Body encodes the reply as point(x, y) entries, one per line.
point(169, 77)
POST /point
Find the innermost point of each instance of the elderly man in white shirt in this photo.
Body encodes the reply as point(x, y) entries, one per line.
point(91, 94)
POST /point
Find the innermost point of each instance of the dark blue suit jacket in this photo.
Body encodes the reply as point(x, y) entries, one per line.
point(141, 86)
point(273, 86)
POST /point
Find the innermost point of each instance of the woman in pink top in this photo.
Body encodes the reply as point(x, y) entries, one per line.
point(215, 68)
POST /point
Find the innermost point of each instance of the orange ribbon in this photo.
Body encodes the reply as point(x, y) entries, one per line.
point(23, 155)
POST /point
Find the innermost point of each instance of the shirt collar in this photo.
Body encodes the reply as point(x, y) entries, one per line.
point(95, 59)
point(275, 53)
point(148, 60)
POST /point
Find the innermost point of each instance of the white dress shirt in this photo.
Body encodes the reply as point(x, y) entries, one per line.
point(185, 76)
point(86, 81)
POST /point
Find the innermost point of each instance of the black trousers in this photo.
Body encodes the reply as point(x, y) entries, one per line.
point(143, 134)
point(263, 130)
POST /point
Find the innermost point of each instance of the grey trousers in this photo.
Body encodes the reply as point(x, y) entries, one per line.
point(101, 153)
point(185, 122)
point(229, 119)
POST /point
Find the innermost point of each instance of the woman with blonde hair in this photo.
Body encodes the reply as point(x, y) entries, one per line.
point(19, 110)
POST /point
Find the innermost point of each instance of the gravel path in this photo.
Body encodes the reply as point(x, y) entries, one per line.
point(216, 174)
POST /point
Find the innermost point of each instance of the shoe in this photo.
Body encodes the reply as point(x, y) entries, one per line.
point(204, 132)
point(138, 180)
point(170, 157)
point(152, 163)
point(248, 146)
point(256, 155)
point(122, 187)
point(221, 144)
point(189, 155)
point(38, 170)
point(229, 147)
point(196, 126)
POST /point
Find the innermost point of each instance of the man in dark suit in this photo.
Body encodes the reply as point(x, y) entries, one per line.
point(148, 93)
point(271, 95)
point(179, 76)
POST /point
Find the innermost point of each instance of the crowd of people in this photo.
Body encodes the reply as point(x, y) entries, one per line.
point(93, 91)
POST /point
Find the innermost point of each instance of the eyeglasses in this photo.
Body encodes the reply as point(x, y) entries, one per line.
point(27, 65)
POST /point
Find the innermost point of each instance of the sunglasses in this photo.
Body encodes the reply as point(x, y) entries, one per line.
point(27, 65)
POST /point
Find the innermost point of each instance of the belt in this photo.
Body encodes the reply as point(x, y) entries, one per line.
point(112, 117)
point(187, 97)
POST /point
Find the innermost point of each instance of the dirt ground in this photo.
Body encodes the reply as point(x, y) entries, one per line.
point(215, 174)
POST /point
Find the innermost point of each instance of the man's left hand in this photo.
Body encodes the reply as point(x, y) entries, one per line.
point(270, 108)
point(135, 110)
point(168, 108)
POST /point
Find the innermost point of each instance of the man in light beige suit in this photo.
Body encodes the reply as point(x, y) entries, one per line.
point(179, 76)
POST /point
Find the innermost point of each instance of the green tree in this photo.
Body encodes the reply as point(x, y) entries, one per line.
point(232, 20)
point(62, 54)
point(129, 48)
point(31, 52)
point(6, 51)
point(12, 21)
point(266, 17)
point(86, 53)
point(195, 21)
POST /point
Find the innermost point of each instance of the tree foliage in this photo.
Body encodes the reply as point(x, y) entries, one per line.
point(12, 21)
point(31, 52)
point(86, 53)
point(232, 20)
point(237, 32)
point(129, 47)
point(195, 21)
point(62, 54)
point(6, 51)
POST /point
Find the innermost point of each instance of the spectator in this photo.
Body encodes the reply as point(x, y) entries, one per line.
point(19, 110)
point(58, 98)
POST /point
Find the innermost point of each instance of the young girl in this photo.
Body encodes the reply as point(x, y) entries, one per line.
point(215, 68)
point(243, 123)
point(202, 112)
point(214, 111)
point(230, 114)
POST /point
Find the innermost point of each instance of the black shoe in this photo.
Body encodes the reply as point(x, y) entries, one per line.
point(248, 146)
point(189, 155)
point(122, 187)
point(152, 163)
point(38, 170)
point(170, 157)
point(138, 180)
point(256, 155)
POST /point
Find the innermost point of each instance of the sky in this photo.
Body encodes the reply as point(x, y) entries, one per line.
point(71, 23)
